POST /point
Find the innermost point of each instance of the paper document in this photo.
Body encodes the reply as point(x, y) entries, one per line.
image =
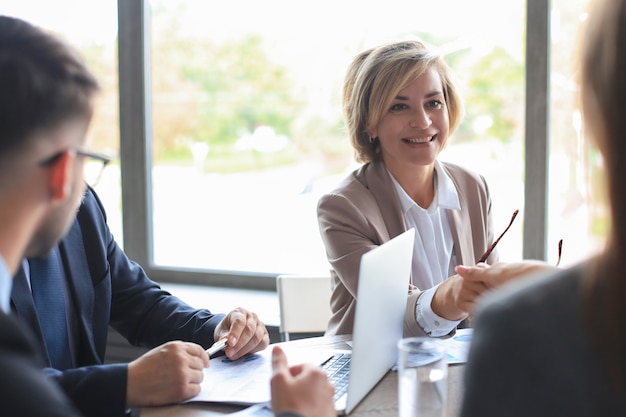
point(457, 346)
point(247, 380)
point(259, 410)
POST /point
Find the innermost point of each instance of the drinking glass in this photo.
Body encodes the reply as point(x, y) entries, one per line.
point(422, 377)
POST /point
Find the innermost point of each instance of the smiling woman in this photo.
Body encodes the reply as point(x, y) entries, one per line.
point(413, 132)
point(399, 101)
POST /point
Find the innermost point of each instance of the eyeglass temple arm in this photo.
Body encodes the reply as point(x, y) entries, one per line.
point(485, 255)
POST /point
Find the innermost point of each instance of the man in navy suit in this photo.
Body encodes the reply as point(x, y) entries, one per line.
point(45, 109)
point(103, 287)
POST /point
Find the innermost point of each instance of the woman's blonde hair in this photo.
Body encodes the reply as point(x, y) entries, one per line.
point(375, 77)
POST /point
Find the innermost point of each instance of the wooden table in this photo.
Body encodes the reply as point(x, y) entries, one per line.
point(382, 401)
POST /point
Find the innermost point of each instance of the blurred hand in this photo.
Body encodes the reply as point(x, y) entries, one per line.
point(300, 389)
point(245, 333)
point(455, 297)
point(167, 374)
point(501, 272)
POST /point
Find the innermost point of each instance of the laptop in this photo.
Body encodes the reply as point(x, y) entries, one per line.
point(379, 318)
point(382, 295)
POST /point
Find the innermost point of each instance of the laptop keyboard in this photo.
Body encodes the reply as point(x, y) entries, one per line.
point(337, 368)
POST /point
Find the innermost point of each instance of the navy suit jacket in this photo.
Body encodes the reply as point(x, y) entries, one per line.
point(107, 288)
point(25, 390)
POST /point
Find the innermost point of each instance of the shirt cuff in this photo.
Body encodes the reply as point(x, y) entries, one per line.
point(432, 324)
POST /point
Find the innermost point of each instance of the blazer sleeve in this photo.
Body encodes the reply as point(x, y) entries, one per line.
point(97, 391)
point(122, 296)
point(347, 234)
point(140, 310)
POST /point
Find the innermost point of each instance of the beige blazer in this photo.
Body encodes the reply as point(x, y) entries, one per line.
point(364, 212)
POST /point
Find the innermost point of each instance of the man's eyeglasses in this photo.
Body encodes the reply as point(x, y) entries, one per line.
point(490, 249)
point(92, 169)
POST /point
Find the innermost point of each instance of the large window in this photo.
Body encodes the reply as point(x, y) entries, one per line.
point(231, 124)
point(248, 129)
point(577, 204)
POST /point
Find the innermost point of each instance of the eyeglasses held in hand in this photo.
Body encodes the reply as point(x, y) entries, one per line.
point(490, 249)
point(485, 255)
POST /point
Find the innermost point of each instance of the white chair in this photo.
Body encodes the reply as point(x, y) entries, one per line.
point(304, 303)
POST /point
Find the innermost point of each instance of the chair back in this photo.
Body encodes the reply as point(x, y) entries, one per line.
point(304, 303)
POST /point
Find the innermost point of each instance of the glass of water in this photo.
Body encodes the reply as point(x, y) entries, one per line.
point(422, 377)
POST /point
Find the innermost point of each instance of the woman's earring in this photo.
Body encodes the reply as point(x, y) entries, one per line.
point(372, 140)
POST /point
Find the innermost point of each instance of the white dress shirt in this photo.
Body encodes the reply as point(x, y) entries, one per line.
point(6, 282)
point(433, 256)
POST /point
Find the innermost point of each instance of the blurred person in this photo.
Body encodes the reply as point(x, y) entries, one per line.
point(553, 344)
point(45, 110)
point(401, 105)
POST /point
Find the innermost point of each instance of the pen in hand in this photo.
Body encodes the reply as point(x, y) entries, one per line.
point(216, 347)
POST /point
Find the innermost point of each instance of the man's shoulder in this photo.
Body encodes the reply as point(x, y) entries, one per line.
point(91, 217)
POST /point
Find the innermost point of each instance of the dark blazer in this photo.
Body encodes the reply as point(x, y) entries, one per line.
point(25, 390)
point(532, 352)
point(107, 288)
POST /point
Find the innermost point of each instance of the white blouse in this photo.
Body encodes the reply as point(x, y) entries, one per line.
point(433, 256)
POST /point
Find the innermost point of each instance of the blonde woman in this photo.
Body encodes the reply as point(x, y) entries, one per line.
point(401, 106)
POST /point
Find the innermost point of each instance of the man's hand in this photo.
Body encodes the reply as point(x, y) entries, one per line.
point(501, 272)
point(167, 374)
point(302, 389)
point(456, 296)
point(244, 331)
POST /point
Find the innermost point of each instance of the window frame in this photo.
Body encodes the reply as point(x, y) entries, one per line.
point(136, 147)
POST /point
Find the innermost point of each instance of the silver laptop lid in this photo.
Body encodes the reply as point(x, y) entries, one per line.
point(379, 318)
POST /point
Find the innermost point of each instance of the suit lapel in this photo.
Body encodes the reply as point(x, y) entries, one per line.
point(23, 306)
point(460, 226)
point(377, 179)
point(462, 236)
point(74, 258)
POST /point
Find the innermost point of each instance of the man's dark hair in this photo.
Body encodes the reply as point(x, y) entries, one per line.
point(43, 82)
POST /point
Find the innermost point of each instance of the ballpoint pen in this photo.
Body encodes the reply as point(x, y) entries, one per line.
point(216, 347)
